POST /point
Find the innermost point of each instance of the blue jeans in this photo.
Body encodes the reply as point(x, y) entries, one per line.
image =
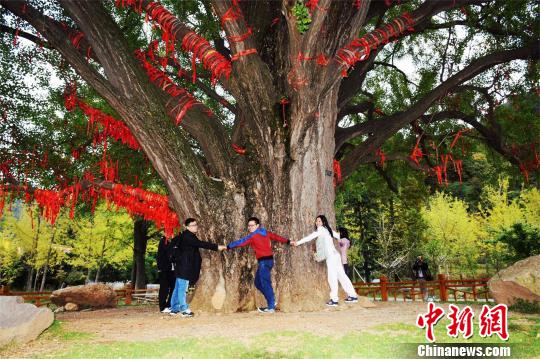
point(178, 300)
point(263, 281)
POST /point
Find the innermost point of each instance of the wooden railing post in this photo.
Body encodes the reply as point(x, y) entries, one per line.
point(442, 288)
point(129, 292)
point(384, 288)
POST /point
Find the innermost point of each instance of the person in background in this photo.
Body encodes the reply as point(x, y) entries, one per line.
point(165, 275)
point(344, 245)
point(422, 274)
point(260, 240)
point(187, 265)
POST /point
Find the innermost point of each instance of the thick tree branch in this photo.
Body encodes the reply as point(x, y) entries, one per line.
point(352, 109)
point(386, 127)
point(24, 34)
point(419, 18)
point(386, 176)
point(495, 31)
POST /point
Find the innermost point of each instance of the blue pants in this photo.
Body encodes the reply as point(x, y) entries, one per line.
point(263, 281)
point(178, 300)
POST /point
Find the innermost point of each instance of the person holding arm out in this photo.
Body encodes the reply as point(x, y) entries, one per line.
point(260, 240)
point(327, 251)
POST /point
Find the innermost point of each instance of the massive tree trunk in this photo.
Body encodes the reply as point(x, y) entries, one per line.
point(286, 175)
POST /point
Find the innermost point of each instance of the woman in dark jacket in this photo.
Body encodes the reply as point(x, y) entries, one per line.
point(187, 265)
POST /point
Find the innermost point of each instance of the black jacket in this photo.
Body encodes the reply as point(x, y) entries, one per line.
point(425, 270)
point(186, 255)
point(163, 257)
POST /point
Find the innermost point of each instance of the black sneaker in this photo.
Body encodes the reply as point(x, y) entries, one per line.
point(188, 314)
point(331, 303)
point(351, 300)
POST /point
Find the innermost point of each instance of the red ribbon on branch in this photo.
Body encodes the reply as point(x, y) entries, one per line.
point(160, 78)
point(359, 49)
point(337, 172)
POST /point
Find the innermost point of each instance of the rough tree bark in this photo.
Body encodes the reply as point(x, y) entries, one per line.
point(286, 176)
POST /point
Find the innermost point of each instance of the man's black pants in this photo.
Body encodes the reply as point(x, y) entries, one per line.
point(166, 288)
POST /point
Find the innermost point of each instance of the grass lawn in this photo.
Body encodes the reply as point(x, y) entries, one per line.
point(388, 341)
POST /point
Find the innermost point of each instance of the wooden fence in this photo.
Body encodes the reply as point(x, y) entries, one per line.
point(442, 289)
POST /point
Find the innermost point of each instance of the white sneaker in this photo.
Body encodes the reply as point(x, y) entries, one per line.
point(166, 310)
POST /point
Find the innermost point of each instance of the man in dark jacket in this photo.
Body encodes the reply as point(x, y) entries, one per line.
point(421, 273)
point(187, 265)
point(165, 275)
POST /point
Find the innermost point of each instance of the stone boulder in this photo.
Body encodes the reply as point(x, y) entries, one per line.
point(92, 295)
point(21, 322)
point(519, 281)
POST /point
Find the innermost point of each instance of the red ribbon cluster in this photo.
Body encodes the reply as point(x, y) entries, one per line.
point(111, 126)
point(440, 170)
point(211, 59)
point(50, 203)
point(359, 49)
point(151, 206)
point(184, 99)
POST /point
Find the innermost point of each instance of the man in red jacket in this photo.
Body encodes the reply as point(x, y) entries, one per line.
point(259, 239)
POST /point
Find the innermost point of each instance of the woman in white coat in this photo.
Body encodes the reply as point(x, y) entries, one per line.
point(327, 251)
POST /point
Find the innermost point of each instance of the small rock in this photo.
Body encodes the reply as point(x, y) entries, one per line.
point(71, 307)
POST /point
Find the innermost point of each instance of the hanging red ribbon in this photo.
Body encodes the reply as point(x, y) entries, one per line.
point(238, 149)
point(382, 157)
point(284, 102)
point(337, 172)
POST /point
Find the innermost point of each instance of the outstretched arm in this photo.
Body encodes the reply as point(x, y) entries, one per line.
point(336, 235)
point(241, 242)
point(311, 237)
point(195, 242)
point(278, 238)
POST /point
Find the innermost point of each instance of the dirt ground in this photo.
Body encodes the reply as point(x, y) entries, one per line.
point(145, 323)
